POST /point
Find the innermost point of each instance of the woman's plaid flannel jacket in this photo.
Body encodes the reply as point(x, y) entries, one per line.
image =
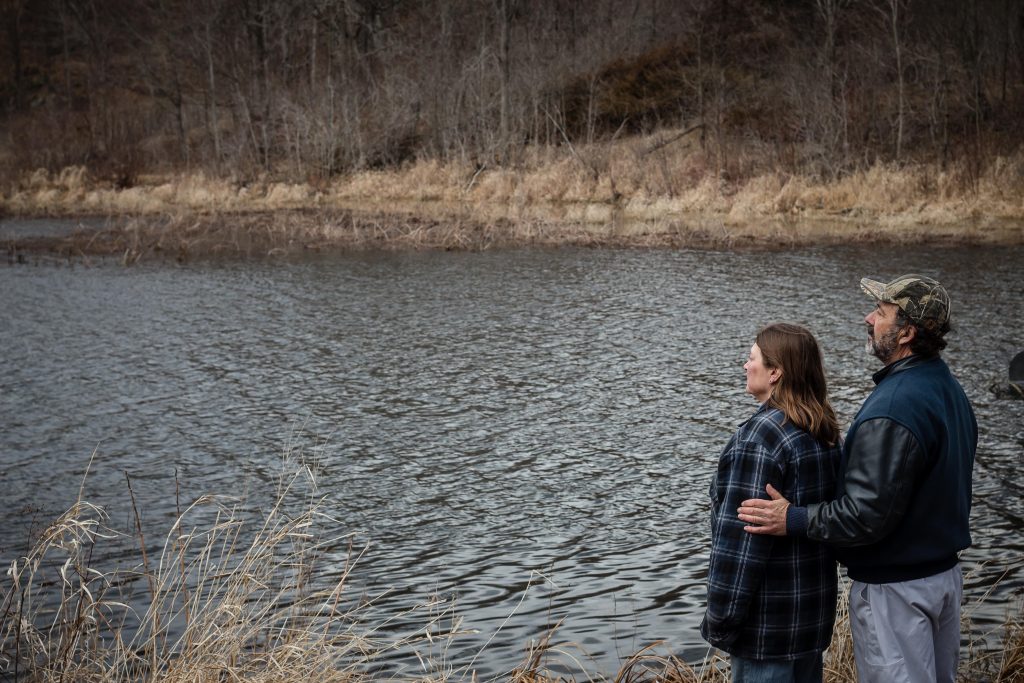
point(770, 597)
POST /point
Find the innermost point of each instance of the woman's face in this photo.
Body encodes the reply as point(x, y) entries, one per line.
point(759, 378)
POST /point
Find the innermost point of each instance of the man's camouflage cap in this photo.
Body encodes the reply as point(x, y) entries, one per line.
point(920, 298)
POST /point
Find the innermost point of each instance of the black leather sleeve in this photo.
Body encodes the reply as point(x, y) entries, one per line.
point(885, 460)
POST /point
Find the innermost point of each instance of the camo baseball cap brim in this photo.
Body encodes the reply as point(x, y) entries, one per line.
point(919, 297)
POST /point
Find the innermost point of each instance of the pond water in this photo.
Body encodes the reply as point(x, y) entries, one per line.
point(529, 432)
point(15, 228)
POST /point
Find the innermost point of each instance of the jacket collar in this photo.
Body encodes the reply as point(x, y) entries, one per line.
point(760, 409)
point(902, 364)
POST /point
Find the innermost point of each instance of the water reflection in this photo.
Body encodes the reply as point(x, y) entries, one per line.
point(529, 432)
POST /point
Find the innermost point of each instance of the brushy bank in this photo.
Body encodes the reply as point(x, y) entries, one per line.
point(659, 190)
point(229, 595)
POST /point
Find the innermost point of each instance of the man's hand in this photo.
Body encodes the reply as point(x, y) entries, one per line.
point(765, 516)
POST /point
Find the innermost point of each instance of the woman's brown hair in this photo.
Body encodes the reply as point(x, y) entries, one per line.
point(800, 392)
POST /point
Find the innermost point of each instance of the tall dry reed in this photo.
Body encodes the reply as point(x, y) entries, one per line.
point(226, 598)
point(662, 189)
point(232, 596)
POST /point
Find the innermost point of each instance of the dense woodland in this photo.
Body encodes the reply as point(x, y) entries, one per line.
point(310, 89)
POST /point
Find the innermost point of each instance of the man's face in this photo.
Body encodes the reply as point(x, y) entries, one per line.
point(883, 332)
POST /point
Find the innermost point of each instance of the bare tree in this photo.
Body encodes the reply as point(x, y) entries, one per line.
point(892, 12)
point(505, 13)
point(12, 11)
point(205, 37)
point(835, 131)
point(830, 12)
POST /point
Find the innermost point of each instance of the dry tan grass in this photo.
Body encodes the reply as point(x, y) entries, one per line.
point(185, 235)
point(1010, 659)
point(215, 608)
point(839, 665)
point(209, 606)
point(548, 662)
point(656, 190)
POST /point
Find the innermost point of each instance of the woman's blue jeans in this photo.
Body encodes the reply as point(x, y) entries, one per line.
point(804, 670)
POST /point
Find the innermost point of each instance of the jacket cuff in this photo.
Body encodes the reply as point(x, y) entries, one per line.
point(796, 521)
point(719, 637)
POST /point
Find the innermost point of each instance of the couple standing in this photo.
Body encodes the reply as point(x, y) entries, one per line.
point(891, 503)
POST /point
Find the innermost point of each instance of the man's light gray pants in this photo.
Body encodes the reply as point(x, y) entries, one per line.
point(907, 632)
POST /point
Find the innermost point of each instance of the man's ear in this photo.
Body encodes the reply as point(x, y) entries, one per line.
point(907, 334)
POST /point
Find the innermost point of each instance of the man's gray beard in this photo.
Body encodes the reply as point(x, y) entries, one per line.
point(883, 349)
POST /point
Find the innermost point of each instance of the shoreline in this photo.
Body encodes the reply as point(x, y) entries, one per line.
point(281, 232)
point(428, 205)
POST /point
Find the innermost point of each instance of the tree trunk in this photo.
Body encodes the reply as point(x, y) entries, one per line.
point(13, 11)
point(212, 99)
point(890, 11)
point(900, 83)
point(504, 19)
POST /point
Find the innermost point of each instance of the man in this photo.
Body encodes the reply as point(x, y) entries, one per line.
point(900, 516)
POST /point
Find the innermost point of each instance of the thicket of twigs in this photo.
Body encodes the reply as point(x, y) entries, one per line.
point(321, 88)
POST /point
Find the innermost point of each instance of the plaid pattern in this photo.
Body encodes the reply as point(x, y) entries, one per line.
point(770, 597)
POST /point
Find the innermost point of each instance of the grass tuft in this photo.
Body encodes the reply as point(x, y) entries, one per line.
point(656, 190)
point(232, 595)
point(209, 607)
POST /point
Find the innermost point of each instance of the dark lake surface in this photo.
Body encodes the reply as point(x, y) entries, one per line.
point(14, 228)
point(529, 432)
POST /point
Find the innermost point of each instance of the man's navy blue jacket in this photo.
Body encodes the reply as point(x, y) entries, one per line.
point(904, 495)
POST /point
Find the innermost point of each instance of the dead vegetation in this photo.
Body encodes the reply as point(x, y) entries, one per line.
point(650, 191)
point(225, 597)
point(227, 594)
point(469, 125)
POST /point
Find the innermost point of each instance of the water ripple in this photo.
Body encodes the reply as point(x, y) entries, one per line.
point(529, 432)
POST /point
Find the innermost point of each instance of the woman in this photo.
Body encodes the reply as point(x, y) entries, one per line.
point(772, 600)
